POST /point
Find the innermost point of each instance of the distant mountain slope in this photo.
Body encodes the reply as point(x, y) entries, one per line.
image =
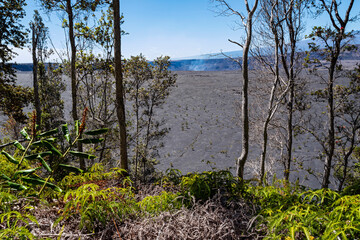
point(301, 45)
point(220, 62)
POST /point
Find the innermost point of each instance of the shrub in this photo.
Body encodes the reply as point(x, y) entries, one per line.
point(165, 202)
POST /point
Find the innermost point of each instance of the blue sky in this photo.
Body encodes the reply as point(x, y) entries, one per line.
point(178, 28)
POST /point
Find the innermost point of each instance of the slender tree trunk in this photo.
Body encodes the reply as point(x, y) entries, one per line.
point(289, 140)
point(330, 142)
point(120, 106)
point(346, 159)
point(137, 130)
point(72, 61)
point(35, 77)
point(271, 109)
point(245, 96)
point(73, 73)
point(147, 140)
point(331, 129)
point(290, 103)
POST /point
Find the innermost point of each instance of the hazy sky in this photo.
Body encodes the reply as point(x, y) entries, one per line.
point(177, 28)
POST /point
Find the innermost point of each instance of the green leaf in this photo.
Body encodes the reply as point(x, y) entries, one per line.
point(77, 126)
point(19, 146)
point(25, 134)
point(82, 155)
point(9, 157)
point(39, 143)
point(49, 133)
point(71, 168)
point(51, 147)
point(91, 140)
point(3, 176)
point(307, 233)
point(97, 131)
point(292, 233)
point(26, 171)
point(44, 163)
point(65, 131)
point(16, 186)
point(35, 156)
point(36, 181)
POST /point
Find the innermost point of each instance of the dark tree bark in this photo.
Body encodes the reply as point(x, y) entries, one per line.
point(294, 25)
point(245, 95)
point(35, 75)
point(73, 72)
point(248, 25)
point(339, 24)
point(120, 106)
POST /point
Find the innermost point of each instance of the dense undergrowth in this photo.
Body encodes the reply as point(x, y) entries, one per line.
point(209, 205)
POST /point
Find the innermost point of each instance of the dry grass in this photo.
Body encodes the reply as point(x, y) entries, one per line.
point(210, 220)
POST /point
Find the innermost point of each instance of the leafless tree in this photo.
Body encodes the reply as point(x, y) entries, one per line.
point(290, 63)
point(272, 17)
point(247, 22)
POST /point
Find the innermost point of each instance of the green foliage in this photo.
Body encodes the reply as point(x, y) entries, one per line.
point(166, 201)
point(13, 221)
point(171, 178)
point(6, 200)
point(147, 86)
point(352, 189)
point(94, 174)
point(277, 197)
point(204, 186)
point(97, 207)
point(29, 176)
point(293, 214)
point(12, 35)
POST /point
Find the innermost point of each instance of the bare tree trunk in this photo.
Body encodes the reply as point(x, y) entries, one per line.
point(137, 129)
point(291, 97)
point(346, 159)
point(73, 72)
point(72, 60)
point(331, 130)
point(339, 25)
point(245, 96)
point(120, 106)
point(271, 111)
point(35, 76)
point(330, 143)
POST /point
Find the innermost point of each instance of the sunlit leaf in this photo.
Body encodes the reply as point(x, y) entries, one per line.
point(16, 186)
point(3, 176)
point(34, 156)
point(51, 147)
point(82, 155)
point(37, 181)
point(49, 133)
point(9, 157)
point(65, 131)
point(71, 168)
point(25, 134)
point(19, 146)
point(44, 163)
point(97, 131)
point(25, 172)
